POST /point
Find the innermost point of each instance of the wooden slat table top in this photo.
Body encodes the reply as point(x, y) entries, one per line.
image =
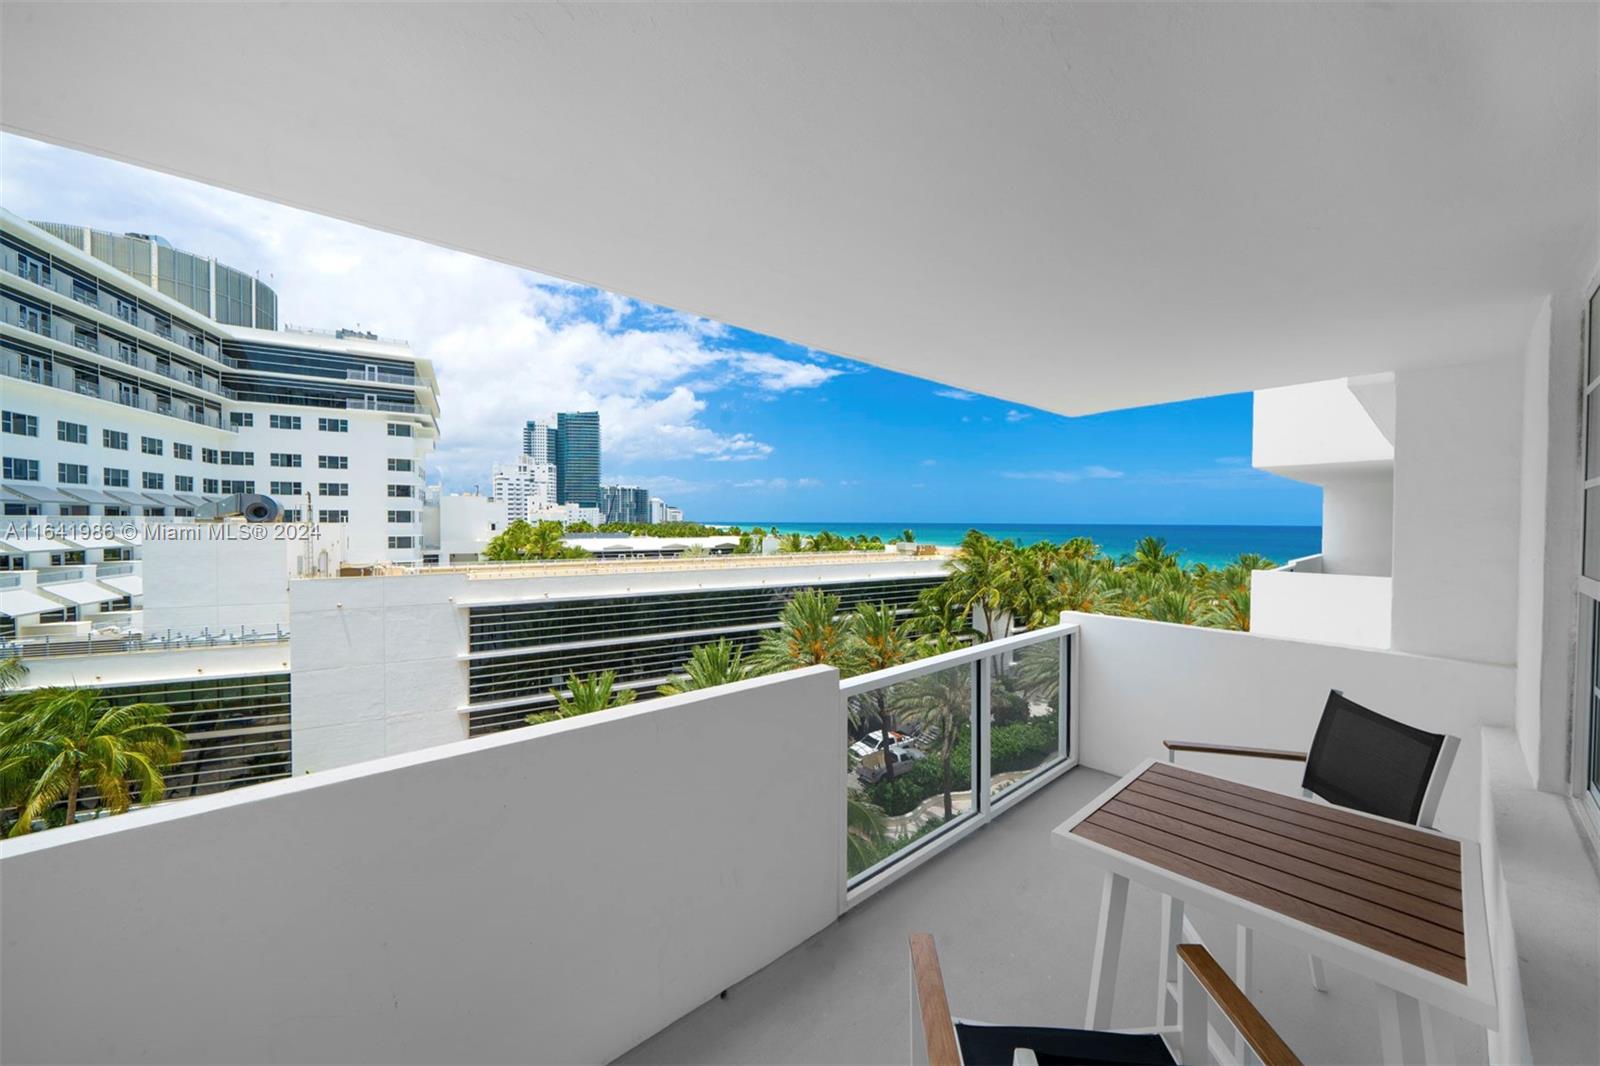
point(1389, 887)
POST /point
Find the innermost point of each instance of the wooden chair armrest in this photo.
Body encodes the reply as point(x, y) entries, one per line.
point(1255, 1029)
point(1233, 749)
point(938, 1028)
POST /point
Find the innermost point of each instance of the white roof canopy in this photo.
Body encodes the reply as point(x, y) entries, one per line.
point(78, 593)
point(128, 584)
point(1074, 206)
point(23, 603)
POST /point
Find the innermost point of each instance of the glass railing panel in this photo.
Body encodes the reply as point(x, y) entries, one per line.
point(1027, 712)
point(911, 769)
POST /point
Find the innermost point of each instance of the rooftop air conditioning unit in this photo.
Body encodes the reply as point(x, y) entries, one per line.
point(246, 505)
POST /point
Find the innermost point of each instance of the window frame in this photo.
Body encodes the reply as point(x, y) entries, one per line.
point(1584, 754)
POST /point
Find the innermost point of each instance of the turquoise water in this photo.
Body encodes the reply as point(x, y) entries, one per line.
point(1212, 545)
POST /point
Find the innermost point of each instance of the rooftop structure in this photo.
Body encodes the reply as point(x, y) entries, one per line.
point(1136, 201)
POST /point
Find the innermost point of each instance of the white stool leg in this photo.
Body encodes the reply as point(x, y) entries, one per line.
point(1243, 949)
point(1319, 976)
point(1400, 1027)
point(1166, 975)
point(1107, 951)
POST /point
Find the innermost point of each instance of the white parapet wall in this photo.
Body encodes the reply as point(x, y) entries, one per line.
point(1332, 608)
point(548, 895)
point(1142, 682)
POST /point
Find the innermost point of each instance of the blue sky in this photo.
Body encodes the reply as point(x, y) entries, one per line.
point(726, 423)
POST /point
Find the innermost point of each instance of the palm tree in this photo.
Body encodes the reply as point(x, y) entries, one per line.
point(940, 617)
point(1080, 585)
point(810, 632)
point(1173, 603)
point(791, 543)
point(53, 741)
point(1038, 672)
point(1230, 609)
point(586, 695)
point(1150, 556)
point(864, 831)
point(1080, 548)
point(708, 666)
point(942, 701)
point(879, 640)
point(983, 576)
point(909, 536)
point(12, 671)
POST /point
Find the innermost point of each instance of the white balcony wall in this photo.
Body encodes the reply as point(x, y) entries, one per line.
point(1457, 519)
point(555, 894)
point(1142, 682)
point(1358, 524)
point(1301, 430)
point(224, 579)
point(1333, 608)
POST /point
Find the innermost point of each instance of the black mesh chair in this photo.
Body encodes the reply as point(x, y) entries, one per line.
point(939, 1039)
point(1363, 761)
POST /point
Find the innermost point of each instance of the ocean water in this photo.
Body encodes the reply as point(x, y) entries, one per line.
point(1212, 545)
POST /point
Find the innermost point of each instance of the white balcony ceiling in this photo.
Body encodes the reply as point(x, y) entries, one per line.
point(1076, 207)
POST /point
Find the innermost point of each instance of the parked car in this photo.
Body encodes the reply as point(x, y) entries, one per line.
point(901, 757)
point(873, 741)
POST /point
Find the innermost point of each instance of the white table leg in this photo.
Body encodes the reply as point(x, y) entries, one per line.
point(1319, 976)
point(1171, 937)
point(1243, 949)
point(1400, 1026)
point(1107, 951)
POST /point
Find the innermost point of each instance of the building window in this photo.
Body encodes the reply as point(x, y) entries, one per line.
point(151, 445)
point(21, 469)
point(208, 455)
point(286, 488)
point(400, 517)
point(399, 491)
point(238, 458)
point(337, 517)
point(399, 429)
point(400, 466)
point(182, 483)
point(152, 480)
point(334, 425)
point(292, 514)
point(114, 438)
point(72, 473)
point(333, 462)
point(284, 421)
point(115, 477)
point(231, 487)
point(285, 459)
point(400, 542)
point(241, 418)
point(182, 451)
point(209, 485)
point(20, 424)
point(333, 488)
point(72, 432)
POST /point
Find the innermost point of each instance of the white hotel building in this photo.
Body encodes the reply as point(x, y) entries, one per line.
point(140, 380)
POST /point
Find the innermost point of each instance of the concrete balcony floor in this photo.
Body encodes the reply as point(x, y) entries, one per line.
point(1015, 919)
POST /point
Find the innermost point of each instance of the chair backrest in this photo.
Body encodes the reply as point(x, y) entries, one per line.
point(1371, 763)
point(933, 1031)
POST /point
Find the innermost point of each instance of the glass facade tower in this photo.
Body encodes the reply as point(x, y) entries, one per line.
point(578, 458)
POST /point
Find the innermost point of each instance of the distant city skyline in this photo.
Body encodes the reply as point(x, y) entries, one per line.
point(715, 419)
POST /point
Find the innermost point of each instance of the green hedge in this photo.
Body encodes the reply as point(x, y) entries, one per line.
point(1019, 746)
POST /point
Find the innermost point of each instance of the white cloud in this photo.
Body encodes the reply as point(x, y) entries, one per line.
point(955, 394)
point(507, 344)
point(930, 462)
point(1091, 473)
point(1015, 415)
point(780, 375)
point(777, 484)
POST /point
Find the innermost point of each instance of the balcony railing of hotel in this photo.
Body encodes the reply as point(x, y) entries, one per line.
point(52, 647)
point(359, 404)
point(13, 365)
point(380, 376)
point(344, 334)
point(124, 310)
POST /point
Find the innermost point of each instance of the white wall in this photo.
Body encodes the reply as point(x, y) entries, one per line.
point(1143, 682)
point(554, 894)
point(1334, 608)
point(1358, 523)
point(1457, 520)
point(224, 579)
point(128, 668)
point(1298, 428)
point(377, 667)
